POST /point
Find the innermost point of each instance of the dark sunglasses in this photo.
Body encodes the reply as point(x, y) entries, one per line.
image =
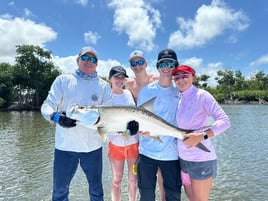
point(169, 64)
point(88, 58)
point(181, 76)
point(135, 63)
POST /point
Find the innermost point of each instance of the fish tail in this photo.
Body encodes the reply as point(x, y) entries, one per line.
point(126, 134)
point(202, 147)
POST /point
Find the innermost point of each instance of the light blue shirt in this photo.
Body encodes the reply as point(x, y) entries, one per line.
point(164, 106)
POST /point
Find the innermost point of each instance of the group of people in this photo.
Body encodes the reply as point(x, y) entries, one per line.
point(171, 162)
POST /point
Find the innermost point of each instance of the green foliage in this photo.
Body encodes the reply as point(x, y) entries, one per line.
point(28, 81)
point(233, 87)
point(2, 102)
point(259, 81)
point(34, 74)
point(240, 81)
point(226, 80)
point(6, 85)
point(202, 81)
point(252, 95)
point(218, 94)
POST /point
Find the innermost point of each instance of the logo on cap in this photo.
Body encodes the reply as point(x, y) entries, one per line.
point(166, 52)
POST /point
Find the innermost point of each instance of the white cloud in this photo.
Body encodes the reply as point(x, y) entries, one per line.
point(137, 19)
point(11, 3)
point(193, 62)
point(27, 12)
point(81, 2)
point(211, 69)
point(210, 21)
point(65, 64)
point(104, 67)
point(6, 16)
point(19, 31)
point(203, 69)
point(91, 37)
point(260, 61)
point(232, 39)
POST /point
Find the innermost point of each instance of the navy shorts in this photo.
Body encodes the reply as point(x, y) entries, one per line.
point(199, 170)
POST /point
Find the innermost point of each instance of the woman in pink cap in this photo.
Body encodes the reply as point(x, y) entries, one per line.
point(198, 168)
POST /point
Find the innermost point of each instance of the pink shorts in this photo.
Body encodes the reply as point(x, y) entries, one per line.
point(123, 152)
point(185, 178)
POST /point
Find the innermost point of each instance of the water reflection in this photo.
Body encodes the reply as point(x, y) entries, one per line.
point(26, 162)
point(27, 145)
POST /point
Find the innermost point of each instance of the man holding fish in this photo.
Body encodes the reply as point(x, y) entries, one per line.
point(74, 143)
point(154, 154)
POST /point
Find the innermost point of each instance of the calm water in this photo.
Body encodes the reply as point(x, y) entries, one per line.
point(27, 145)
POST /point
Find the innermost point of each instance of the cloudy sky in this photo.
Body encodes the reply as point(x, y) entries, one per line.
point(209, 35)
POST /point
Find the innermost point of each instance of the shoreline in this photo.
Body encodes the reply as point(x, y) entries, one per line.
point(237, 102)
point(228, 102)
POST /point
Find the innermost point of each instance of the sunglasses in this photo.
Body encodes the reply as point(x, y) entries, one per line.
point(88, 58)
point(169, 64)
point(135, 63)
point(181, 76)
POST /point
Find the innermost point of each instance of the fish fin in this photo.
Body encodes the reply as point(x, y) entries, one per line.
point(157, 138)
point(102, 131)
point(125, 134)
point(148, 105)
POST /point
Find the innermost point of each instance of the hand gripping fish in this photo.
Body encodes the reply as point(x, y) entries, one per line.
point(113, 119)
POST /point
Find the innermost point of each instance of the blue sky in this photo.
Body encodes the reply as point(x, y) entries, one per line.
point(208, 35)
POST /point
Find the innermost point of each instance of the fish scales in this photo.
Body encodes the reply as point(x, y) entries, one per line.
point(114, 119)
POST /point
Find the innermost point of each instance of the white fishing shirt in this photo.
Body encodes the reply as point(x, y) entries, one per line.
point(69, 89)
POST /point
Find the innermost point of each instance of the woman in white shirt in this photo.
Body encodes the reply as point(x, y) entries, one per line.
point(121, 148)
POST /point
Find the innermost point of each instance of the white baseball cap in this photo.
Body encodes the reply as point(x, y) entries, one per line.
point(91, 50)
point(136, 53)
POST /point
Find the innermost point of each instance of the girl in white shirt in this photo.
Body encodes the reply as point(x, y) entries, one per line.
point(121, 148)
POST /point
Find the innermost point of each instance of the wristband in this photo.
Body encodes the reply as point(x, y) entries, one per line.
point(55, 117)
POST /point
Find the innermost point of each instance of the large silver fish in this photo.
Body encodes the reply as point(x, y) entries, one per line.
point(113, 119)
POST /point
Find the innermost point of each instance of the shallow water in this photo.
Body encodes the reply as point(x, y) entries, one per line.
point(27, 145)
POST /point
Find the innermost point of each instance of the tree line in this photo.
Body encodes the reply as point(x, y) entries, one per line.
point(25, 85)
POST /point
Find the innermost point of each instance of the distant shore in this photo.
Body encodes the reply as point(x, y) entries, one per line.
point(228, 102)
point(242, 102)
